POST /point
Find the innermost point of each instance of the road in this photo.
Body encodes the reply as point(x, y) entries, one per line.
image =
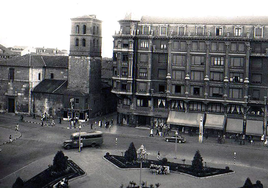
point(43, 142)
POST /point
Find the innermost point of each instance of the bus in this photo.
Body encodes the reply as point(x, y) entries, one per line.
point(92, 139)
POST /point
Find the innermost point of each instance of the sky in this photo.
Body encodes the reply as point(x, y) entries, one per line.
point(47, 23)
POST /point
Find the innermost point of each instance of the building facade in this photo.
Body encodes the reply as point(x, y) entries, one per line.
point(83, 95)
point(210, 68)
point(20, 75)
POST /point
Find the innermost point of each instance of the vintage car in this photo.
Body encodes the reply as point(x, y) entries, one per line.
point(180, 139)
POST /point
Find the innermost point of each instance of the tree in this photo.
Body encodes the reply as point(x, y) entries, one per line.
point(248, 183)
point(18, 183)
point(60, 162)
point(197, 163)
point(131, 153)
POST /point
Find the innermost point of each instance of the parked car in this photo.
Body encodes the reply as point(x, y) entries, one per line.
point(180, 139)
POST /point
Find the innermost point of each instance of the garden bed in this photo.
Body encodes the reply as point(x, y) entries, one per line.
point(47, 178)
point(121, 162)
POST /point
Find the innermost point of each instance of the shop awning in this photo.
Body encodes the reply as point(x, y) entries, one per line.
point(254, 128)
point(234, 125)
point(184, 119)
point(215, 121)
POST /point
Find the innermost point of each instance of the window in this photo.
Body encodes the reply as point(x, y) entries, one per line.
point(52, 75)
point(125, 57)
point(236, 77)
point(197, 75)
point(181, 31)
point(217, 61)
point(233, 47)
point(196, 91)
point(218, 31)
point(126, 30)
point(178, 75)
point(256, 94)
point(202, 46)
point(124, 71)
point(142, 87)
point(94, 43)
point(214, 46)
point(143, 102)
point(256, 78)
point(126, 101)
point(163, 30)
point(163, 45)
point(39, 76)
point(177, 89)
point(217, 46)
point(176, 45)
point(84, 29)
point(194, 46)
point(238, 32)
point(198, 60)
point(183, 46)
point(76, 101)
point(161, 103)
point(143, 72)
point(235, 93)
point(258, 32)
point(115, 71)
point(179, 60)
point(145, 30)
point(257, 64)
point(241, 47)
point(76, 42)
point(237, 62)
point(84, 42)
point(216, 92)
point(162, 73)
point(94, 30)
point(125, 44)
point(114, 56)
point(11, 74)
point(77, 29)
point(216, 76)
point(144, 58)
point(124, 87)
point(221, 46)
point(97, 30)
point(200, 30)
point(161, 88)
point(144, 44)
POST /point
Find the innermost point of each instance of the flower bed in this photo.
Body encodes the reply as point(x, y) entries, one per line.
point(120, 162)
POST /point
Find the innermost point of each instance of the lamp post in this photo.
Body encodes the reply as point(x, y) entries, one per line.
point(79, 138)
point(142, 152)
point(176, 145)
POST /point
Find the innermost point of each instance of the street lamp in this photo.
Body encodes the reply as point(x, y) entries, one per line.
point(176, 145)
point(141, 152)
point(79, 138)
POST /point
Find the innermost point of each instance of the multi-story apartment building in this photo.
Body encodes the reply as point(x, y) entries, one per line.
point(177, 71)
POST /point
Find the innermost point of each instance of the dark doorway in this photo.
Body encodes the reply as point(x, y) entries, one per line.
point(143, 120)
point(11, 105)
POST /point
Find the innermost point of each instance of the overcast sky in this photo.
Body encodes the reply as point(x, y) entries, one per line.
point(47, 23)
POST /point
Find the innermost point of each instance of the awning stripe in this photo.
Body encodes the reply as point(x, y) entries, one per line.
point(215, 121)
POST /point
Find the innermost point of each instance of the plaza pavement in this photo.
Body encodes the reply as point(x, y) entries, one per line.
point(101, 174)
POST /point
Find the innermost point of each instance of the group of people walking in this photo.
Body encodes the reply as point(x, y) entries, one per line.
point(162, 129)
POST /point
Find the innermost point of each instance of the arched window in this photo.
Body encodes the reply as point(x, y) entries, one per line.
point(84, 42)
point(93, 30)
point(77, 29)
point(84, 29)
point(76, 42)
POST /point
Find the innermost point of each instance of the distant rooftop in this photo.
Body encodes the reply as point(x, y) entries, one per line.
point(241, 20)
point(91, 16)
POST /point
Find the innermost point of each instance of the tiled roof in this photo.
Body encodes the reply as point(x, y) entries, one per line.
point(207, 20)
point(51, 86)
point(56, 61)
point(74, 93)
point(37, 61)
point(6, 50)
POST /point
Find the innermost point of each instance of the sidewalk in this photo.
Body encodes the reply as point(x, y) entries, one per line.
point(5, 133)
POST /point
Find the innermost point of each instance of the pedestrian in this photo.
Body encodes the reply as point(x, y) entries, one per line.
point(42, 121)
point(100, 123)
point(112, 121)
point(10, 138)
point(151, 132)
point(52, 123)
point(17, 127)
point(81, 145)
point(91, 125)
point(158, 155)
point(59, 120)
point(161, 130)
